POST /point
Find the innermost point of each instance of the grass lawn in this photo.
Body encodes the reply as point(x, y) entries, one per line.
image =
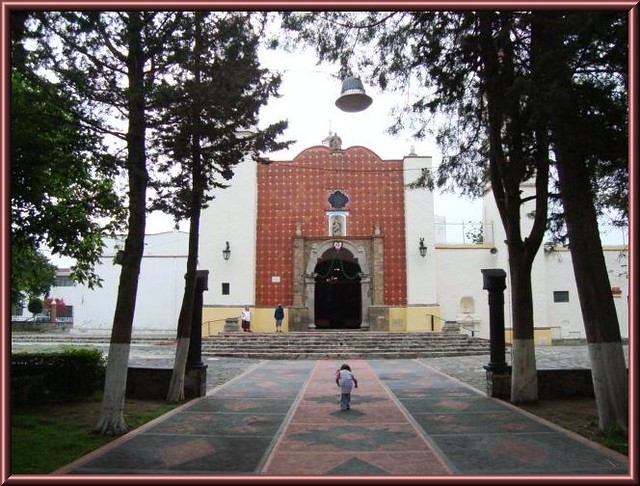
point(46, 437)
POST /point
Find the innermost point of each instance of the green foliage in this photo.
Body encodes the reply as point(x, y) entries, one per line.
point(597, 105)
point(31, 273)
point(452, 66)
point(62, 192)
point(69, 374)
point(475, 234)
point(206, 111)
point(35, 305)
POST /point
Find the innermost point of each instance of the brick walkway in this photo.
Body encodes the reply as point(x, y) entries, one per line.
point(407, 419)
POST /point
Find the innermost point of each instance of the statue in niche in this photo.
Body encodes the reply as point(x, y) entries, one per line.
point(336, 226)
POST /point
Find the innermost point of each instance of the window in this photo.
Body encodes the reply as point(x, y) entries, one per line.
point(225, 288)
point(561, 296)
point(63, 281)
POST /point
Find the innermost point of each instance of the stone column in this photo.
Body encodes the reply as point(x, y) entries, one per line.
point(494, 280)
point(298, 271)
point(377, 266)
point(196, 372)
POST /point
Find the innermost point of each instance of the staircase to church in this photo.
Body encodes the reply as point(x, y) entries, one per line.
point(343, 345)
point(302, 345)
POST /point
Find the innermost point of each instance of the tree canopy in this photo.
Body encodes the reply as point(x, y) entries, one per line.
point(211, 98)
point(435, 56)
point(62, 194)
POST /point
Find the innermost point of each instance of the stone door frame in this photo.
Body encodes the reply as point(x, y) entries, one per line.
point(307, 252)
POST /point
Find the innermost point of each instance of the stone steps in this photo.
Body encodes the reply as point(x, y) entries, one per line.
point(59, 338)
point(301, 345)
point(346, 355)
point(342, 345)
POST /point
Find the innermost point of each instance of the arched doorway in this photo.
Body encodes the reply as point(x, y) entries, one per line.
point(338, 293)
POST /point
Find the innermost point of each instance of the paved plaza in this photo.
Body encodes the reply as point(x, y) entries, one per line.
point(409, 418)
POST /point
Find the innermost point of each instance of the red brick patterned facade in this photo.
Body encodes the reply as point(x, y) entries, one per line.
point(297, 191)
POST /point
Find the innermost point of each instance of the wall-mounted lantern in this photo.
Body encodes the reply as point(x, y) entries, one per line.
point(422, 248)
point(226, 253)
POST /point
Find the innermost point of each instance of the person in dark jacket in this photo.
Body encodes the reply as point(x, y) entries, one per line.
point(278, 315)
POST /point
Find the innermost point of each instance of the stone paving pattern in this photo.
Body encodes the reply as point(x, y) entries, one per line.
point(281, 418)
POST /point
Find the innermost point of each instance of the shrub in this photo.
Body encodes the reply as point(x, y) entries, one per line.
point(69, 374)
point(35, 306)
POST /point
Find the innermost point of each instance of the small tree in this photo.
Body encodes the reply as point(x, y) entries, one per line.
point(36, 306)
point(475, 234)
point(31, 272)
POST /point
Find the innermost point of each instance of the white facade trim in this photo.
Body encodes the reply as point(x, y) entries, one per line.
point(419, 223)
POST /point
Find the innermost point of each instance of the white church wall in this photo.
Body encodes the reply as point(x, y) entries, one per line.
point(231, 217)
point(564, 315)
point(93, 309)
point(553, 272)
point(459, 277)
point(539, 277)
point(567, 316)
point(419, 223)
point(617, 258)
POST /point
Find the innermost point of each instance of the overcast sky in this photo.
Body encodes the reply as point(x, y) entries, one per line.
point(308, 100)
point(308, 95)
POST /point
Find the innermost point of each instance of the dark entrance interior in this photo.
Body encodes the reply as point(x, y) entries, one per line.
point(338, 299)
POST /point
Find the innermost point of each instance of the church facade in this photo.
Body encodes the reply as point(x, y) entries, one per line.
point(340, 240)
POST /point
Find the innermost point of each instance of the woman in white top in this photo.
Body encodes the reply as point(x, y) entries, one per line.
point(245, 317)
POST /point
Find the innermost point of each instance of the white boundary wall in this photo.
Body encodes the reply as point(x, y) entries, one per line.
point(160, 287)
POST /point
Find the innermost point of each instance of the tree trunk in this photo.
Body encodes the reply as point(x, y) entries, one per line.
point(111, 420)
point(508, 164)
point(608, 367)
point(524, 374)
point(176, 386)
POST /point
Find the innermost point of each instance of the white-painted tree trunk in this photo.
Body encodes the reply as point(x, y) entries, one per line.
point(176, 387)
point(111, 420)
point(610, 385)
point(525, 387)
